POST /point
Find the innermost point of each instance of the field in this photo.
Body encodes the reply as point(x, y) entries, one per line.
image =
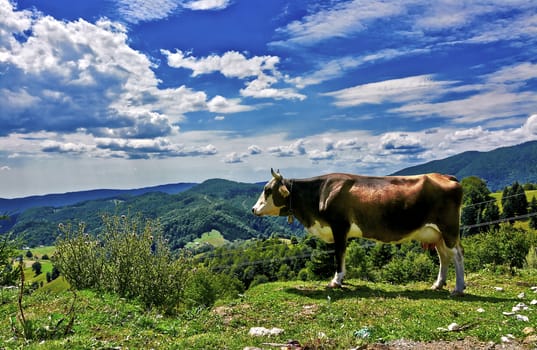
point(360, 314)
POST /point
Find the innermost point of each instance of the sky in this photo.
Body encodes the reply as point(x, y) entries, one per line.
point(132, 93)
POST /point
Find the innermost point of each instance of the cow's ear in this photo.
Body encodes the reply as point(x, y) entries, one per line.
point(284, 191)
point(328, 192)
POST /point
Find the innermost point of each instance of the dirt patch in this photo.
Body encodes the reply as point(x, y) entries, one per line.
point(463, 344)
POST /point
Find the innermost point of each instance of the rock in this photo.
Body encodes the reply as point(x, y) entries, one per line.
point(519, 307)
point(521, 295)
point(528, 330)
point(522, 318)
point(453, 327)
point(498, 289)
point(262, 331)
point(480, 310)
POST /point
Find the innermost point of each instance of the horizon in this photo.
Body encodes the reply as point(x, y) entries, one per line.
point(116, 94)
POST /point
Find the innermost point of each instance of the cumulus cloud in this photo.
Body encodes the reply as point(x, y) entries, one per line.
point(5, 168)
point(220, 104)
point(254, 149)
point(401, 143)
point(151, 148)
point(233, 64)
point(296, 148)
point(234, 157)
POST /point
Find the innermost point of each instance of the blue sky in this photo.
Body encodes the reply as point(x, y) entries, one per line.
point(132, 93)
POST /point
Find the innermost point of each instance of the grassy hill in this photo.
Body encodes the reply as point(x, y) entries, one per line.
point(499, 168)
point(357, 316)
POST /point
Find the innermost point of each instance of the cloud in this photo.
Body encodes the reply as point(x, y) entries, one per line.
point(340, 20)
point(151, 148)
point(234, 157)
point(220, 104)
point(233, 64)
point(134, 11)
point(67, 76)
point(5, 168)
point(401, 143)
point(395, 90)
point(207, 4)
point(52, 146)
point(294, 149)
point(254, 149)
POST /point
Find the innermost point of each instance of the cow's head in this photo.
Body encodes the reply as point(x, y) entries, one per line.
point(274, 200)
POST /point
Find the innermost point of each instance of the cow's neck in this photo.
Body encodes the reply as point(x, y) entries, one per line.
point(302, 196)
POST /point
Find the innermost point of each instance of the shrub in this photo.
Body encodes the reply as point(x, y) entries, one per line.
point(410, 267)
point(507, 247)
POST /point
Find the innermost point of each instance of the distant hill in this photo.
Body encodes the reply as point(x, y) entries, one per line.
point(499, 168)
point(215, 204)
point(18, 205)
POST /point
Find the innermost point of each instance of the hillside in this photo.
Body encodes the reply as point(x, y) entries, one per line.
point(499, 168)
point(363, 315)
point(18, 205)
point(220, 205)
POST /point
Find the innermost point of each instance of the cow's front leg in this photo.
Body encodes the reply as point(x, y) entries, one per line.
point(340, 246)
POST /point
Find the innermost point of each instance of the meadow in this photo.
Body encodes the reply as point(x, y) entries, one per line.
point(356, 316)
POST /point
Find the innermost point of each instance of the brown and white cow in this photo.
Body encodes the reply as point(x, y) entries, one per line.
point(390, 209)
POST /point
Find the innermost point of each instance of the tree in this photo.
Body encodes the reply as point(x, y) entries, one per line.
point(514, 202)
point(479, 208)
point(29, 254)
point(533, 210)
point(36, 267)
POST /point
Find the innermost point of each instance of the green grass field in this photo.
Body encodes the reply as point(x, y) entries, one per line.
point(213, 238)
point(361, 313)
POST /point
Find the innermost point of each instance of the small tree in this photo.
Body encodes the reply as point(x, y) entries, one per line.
point(36, 267)
point(29, 254)
point(477, 202)
point(533, 210)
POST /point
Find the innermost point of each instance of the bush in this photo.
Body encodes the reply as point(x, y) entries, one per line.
point(507, 247)
point(410, 267)
point(130, 258)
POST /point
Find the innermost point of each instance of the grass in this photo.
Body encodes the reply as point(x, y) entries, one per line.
point(213, 238)
point(306, 311)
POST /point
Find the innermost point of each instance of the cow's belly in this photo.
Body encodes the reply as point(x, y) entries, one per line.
point(324, 232)
point(429, 233)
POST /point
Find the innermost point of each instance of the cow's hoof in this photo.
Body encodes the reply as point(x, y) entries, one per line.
point(457, 293)
point(437, 286)
point(334, 285)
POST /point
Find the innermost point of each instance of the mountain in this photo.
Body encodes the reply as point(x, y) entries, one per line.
point(215, 204)
point(499, 168)
point(18, 205)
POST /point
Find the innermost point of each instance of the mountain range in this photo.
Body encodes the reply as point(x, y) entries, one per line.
point(499, 168)
point(185, 210)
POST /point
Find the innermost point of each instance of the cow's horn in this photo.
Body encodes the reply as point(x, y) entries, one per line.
point(276, 175)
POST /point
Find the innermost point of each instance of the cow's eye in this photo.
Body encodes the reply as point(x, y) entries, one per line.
point(268, 192)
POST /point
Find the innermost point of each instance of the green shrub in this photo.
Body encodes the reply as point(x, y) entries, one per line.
point(410, 267)
point(507, 247)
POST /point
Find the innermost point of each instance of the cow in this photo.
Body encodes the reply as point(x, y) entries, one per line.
point(389, 209)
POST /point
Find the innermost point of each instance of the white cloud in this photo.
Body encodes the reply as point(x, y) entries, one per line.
point(135, 11)
point(207, 4)
point(394, 90)
point(233, 64)
point(5, 168)
point(338, 20)
point(234, 157)
point(294, 149)
point(72, 75)
point(254, 149)
point(220, 104)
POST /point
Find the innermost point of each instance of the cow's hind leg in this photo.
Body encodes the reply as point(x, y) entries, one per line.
point(446, 255)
